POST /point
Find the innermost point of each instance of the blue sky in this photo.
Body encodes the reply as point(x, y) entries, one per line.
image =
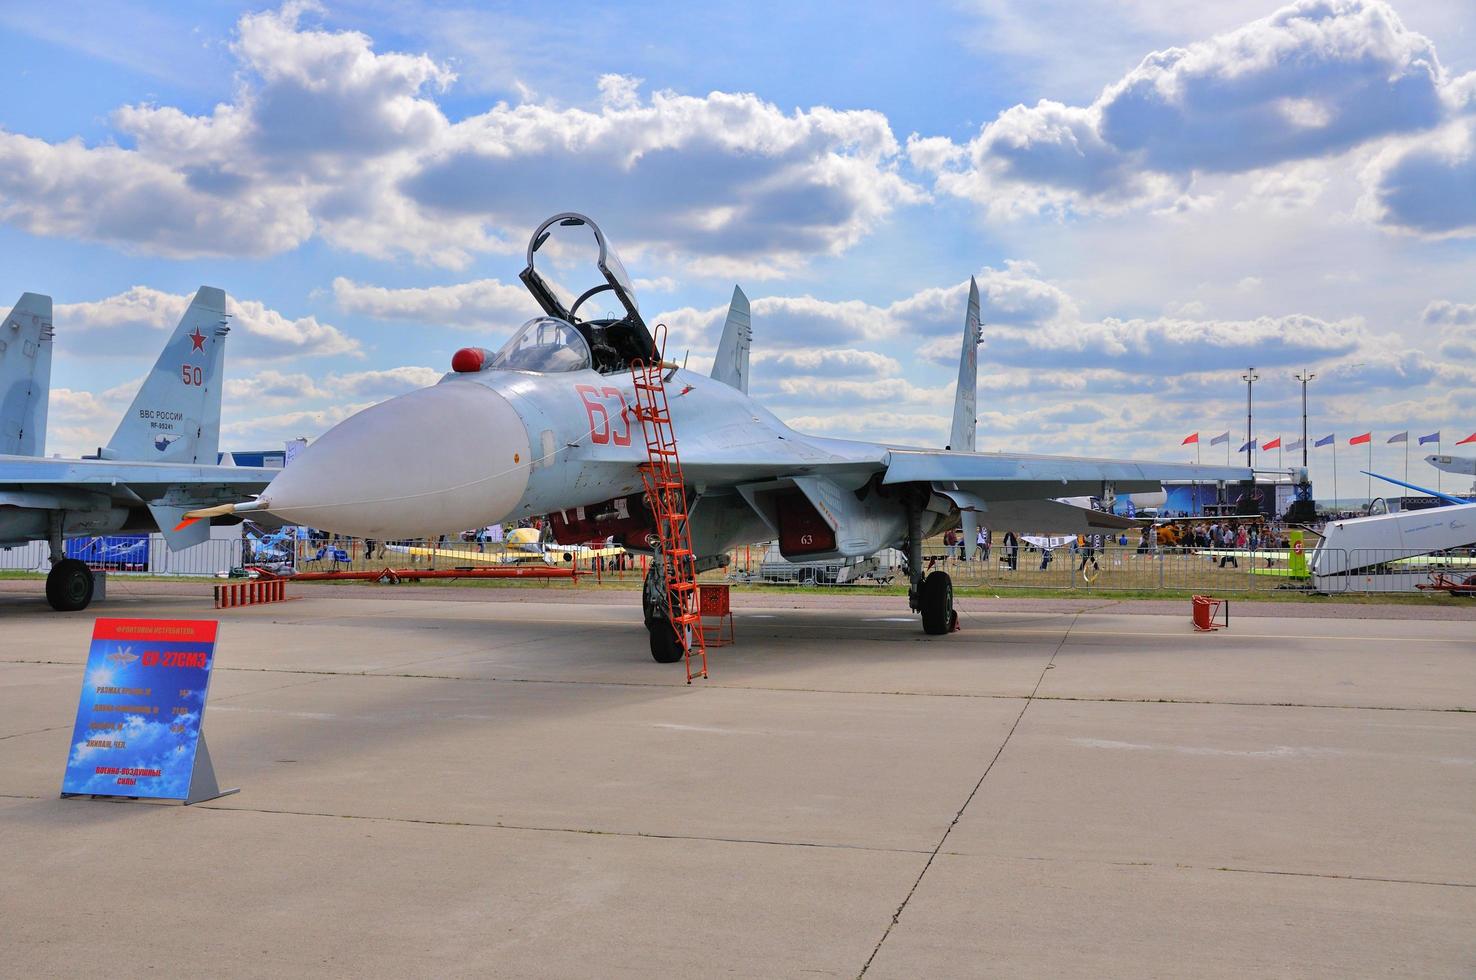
point(1153, 193)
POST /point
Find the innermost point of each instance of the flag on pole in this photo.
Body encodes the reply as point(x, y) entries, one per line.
point(1469, 438)
point(1273, 444)
point(1299, 444)
point(1247, 446)
point(1399, 437)
point(1190, 439)
point(1324, 441)
point(1360, 440)
point(1222, 437)
point(1432, 437)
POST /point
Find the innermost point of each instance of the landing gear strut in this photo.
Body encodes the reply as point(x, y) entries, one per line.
point(930, 594)
point(69, 584)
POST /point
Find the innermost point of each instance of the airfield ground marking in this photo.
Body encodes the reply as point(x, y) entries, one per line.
point(897, 916)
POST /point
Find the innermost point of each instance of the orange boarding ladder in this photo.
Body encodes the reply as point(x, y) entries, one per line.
point(667, 492)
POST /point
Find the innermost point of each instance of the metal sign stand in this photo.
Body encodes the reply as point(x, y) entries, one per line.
point(203, 786)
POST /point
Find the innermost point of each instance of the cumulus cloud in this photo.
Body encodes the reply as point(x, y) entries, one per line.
point(327, 136)
point(482, 303)
point(1312, 80)
point(1427, 186)
point(107, 325)
point(271, 386)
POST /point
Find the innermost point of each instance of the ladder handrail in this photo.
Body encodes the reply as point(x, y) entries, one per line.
point(666, 489)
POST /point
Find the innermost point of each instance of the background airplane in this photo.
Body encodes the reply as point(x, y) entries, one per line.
point(1463, 465)
point(548, 424)
point(160, 462)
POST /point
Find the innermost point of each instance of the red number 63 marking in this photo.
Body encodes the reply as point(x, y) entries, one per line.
point(601, 432)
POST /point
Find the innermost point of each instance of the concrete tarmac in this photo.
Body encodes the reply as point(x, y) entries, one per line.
point(443, 787)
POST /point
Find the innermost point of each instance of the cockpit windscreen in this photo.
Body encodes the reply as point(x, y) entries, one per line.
point(545, 345)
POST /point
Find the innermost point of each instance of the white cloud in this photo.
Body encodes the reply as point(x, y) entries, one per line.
point(326, 136)
point(103, 325)
point(276, 387)
point(483, 303)
point(1426, 186)
point(1312, 80)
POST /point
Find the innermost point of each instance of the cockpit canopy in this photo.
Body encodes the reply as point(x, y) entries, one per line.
point(544, 344)
point(556, 249)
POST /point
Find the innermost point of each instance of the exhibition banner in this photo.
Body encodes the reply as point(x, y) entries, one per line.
point(137, 731)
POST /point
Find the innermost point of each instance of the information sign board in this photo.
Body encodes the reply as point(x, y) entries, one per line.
point(138, 728)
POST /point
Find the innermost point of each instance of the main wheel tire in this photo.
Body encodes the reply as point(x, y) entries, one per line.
point(665, 647)
point(69, 585)
point(935, 600)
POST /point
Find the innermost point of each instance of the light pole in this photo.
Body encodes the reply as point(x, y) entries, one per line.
point(1250, 377)
point(1304, 377)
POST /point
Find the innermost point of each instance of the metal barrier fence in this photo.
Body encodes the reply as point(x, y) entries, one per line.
point(1117, 568)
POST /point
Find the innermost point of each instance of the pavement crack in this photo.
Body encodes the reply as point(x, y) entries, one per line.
point(584, 831)
point(1337, 877)
point(897, 916)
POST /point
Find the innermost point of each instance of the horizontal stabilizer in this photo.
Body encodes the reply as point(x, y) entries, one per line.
point(178, 532)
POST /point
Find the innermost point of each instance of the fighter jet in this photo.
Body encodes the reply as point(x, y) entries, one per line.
point(123, 657)
point(549, 424)
point(160, 463)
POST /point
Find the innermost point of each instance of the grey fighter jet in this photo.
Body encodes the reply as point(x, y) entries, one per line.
point(160, 462)
point(547, 425)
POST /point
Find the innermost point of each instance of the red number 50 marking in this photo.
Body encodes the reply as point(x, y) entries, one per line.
point(191, 375)
point(601, 432)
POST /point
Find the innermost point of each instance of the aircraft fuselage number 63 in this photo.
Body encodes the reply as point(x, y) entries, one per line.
point(598, 404)
point(191, 375)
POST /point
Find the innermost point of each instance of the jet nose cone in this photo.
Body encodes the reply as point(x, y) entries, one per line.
point(445, 458)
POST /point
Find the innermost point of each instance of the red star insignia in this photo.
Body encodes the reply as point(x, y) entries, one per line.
point(198, 339)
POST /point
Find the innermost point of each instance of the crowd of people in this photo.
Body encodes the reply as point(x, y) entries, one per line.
point(1185, 535)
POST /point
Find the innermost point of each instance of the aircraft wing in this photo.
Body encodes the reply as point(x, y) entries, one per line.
point(168, 490)
point(128, 480)
point(1012, 488)
point(990, 476)
point(1017, 476)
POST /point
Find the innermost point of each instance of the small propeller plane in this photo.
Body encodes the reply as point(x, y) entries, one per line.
point(548, 426)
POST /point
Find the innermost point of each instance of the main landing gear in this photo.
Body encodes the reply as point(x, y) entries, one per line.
point(930, 593)
point(69, 584)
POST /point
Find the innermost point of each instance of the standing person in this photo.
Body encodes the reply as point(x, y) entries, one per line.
point(950, 539)
point(1011, 550)
point(369, 546)
point(981, 545)
point(1089, 552)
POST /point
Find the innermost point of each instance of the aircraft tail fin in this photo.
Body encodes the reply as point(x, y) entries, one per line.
point(965, 401)
point(175, 418)
point(730, 366)
point(25, 376)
